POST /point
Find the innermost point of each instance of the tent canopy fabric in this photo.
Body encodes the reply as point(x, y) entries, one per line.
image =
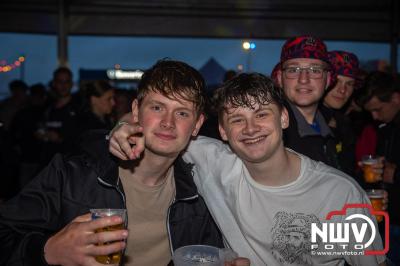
point(354, 20)
point(213, 72)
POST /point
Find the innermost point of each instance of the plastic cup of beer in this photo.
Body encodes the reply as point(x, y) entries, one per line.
point(113, 258)
point(370, 176)
point(376, 197)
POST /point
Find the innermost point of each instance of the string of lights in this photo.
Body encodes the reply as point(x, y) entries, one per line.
point(6, 67)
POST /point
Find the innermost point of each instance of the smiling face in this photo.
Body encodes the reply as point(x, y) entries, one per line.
point(254, 134)
point(340, 94)
point(168, 123)
point(304, 91)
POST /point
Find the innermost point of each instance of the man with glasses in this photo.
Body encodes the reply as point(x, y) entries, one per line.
point(304, 75)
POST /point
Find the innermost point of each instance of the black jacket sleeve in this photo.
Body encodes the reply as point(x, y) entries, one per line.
point(30, 218)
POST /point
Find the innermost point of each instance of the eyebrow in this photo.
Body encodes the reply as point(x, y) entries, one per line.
point(163, 104)
point(156, 102)
point(300, 65)
point(230, 116)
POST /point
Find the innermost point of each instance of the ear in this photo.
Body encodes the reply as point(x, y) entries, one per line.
point(279, 78)
point(284, 118)
point(198, 125)
point(328, 80)
point(92, 99)
point(135, 110)
point(396, 98)
point(222, 132)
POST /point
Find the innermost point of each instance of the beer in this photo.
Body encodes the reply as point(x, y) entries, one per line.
point(370, 176)
point(113, 258)
point(376, 198)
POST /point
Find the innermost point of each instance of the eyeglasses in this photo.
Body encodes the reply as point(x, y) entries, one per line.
point(314, 72)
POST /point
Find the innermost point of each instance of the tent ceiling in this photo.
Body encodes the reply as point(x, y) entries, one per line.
point(364, 20)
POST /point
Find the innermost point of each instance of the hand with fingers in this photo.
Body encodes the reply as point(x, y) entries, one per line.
point(126, 140)
point(373, 168)
point(389, 172)
point(76, 243)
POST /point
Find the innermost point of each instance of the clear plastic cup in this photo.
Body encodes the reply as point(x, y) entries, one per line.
point(376, 197)
point(370, 176)
point(113, 258)
point(202, 255)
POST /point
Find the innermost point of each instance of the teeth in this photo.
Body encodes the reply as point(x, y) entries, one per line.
point(252, 141)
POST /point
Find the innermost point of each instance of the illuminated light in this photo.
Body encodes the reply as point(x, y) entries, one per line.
point(240, 68)
point(124, 74)
point(5, 67)
point(246, 45)
point(252, 46)
point(117, 66)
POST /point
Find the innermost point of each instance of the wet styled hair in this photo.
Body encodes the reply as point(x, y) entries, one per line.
point(174, 80)
point(247, 90)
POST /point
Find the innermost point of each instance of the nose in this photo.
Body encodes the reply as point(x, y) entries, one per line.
point(250, 128)
point(168, 120)
point(342, 88)
point(304, 76)
point(375, 116)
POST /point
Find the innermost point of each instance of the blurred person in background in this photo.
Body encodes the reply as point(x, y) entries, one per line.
point(98, 104)
point(9, 159)
point(381, 97)
point(23, 128)
point(363, 125)
point(58, 125)
point(11, 105)
point(123, 100)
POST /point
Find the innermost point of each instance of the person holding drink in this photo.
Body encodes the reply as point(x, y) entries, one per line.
point(48, 222)
point(381, 97)
point(263, 196)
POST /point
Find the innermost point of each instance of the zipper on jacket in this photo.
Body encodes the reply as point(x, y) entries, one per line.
point(167, 221)
point(116, 188)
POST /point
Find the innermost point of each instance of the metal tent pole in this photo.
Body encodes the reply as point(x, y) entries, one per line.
point(62, 34)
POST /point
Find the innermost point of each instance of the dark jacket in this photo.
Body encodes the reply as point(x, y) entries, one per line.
point(301, 137)
point(344, 139)
point(71, 185)
point(389, 146)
